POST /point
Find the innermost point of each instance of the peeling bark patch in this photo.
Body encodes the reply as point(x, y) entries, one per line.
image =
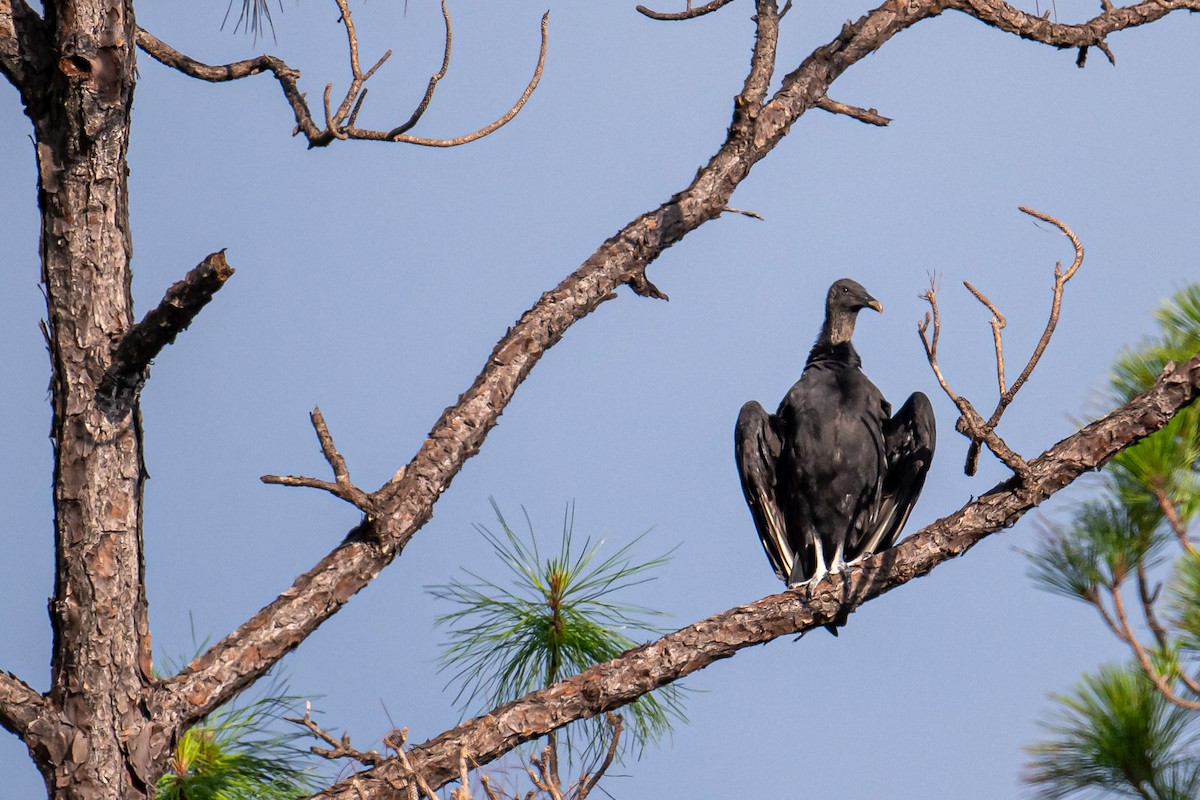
point(103, 560)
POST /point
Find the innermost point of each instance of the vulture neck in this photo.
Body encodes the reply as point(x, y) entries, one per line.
point(834, 345)
point(838, 328)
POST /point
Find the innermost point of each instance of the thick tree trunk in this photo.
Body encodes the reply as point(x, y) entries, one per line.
point(101, 660)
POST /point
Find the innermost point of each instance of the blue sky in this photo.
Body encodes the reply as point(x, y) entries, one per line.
point(373, 280)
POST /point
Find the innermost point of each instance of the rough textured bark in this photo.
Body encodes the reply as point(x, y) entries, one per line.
point(103, 729)
point(676, 655)
point(97, 746)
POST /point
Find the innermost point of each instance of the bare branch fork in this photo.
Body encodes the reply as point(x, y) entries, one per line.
point(141, 343)
point(342, 124)
point(542, 771)
point(341, 486)
point(970, 423)
point(676, 655)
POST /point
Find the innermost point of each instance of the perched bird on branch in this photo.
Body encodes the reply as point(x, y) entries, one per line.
point(831, 477)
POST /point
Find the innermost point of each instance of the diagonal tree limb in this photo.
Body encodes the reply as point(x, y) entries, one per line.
point(631, 675)
point(406, 502)
point(144, 341)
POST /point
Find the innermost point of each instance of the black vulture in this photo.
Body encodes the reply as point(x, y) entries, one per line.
point(831, 477)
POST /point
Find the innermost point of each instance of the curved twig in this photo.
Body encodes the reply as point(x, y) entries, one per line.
point(484, 131)
point(342, 123)
point(689, 13)
point(1060, 282)
point(433, 79)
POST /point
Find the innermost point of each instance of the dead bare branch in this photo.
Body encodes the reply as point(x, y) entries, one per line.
point(341, 487)
point(753, 214)
point(145, 340)
point(1060, 282)
point(868, 115)
point(689, 13)
point(676, 655)
point(588, 782)
point(342, 123)
point(397, 134)
point(969, 423)
point(998, 323)
point(419, 111)
point(339, 748)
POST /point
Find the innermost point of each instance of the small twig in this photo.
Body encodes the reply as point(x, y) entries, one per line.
point(970, 423)
point(586, 784)
point(145, 340)
point(487, 129)
point(868, 115)
point(546, 778)
point(730, 210)
point(487, 787)
point(1148, 597)
point(930, 342)
point(433, 79)
point(341, 486)
point(998, 322)
point(338, 747)
point(1178, 527)
point(1160, 681)
point(981, 432)
point(396, 742)
point(689, 13)
point(1094, 599)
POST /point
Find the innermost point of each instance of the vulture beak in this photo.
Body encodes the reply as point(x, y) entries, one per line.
point(875, 304)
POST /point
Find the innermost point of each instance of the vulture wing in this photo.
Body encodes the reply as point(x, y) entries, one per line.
point(909, 438)
point(756, 450)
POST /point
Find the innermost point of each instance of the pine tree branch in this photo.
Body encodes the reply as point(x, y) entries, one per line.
point(676, 655)
point(406, 502)
point(20, 705)
point(144, 341)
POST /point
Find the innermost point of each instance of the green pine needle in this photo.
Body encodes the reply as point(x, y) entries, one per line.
point(550, 616)
point(236, 755)
point(1116, 734)
point(1102, 546)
